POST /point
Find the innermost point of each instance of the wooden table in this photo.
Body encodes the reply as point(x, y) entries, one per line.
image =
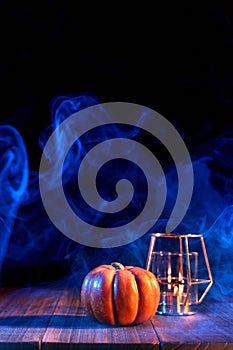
point(49, 318)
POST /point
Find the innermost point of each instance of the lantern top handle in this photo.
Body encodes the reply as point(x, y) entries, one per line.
point(177, 235)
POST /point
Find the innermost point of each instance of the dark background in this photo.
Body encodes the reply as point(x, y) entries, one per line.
point(175, 57)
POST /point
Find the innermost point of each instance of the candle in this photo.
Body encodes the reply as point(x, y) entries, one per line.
point(169, 273)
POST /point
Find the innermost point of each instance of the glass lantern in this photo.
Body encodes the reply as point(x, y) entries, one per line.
point(181, 265)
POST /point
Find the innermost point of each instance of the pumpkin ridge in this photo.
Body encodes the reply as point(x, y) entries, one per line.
point(113, 300)
point(136, 283)
point(126, 294)
point(120, 295)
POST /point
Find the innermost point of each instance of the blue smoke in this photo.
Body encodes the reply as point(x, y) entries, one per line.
point(13, 182)
point(28, 234)
point(211, 212)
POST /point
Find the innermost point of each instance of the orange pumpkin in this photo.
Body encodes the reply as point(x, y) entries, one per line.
point(120, 295)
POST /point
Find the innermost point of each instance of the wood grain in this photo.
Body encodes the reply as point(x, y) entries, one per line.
point(211, 327)
point(73, 329)
point(24, 316)
point(48, 318)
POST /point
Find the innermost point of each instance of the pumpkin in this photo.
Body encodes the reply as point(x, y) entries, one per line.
point(120, 295)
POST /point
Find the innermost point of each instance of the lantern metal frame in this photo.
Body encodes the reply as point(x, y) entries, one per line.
point(184, 248)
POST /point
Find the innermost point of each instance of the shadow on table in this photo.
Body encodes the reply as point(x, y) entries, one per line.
point(51, 321)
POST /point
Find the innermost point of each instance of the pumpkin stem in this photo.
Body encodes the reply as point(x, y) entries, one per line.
point(117, 265)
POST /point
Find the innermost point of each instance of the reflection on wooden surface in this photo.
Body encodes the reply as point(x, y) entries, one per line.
point(52, 318)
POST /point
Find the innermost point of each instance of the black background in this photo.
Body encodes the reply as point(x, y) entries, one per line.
point(175, 57)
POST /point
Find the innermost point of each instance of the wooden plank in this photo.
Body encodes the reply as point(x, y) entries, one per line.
point(210, 328)
point(24, 316)
point(51, 318)
point(70, 328)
